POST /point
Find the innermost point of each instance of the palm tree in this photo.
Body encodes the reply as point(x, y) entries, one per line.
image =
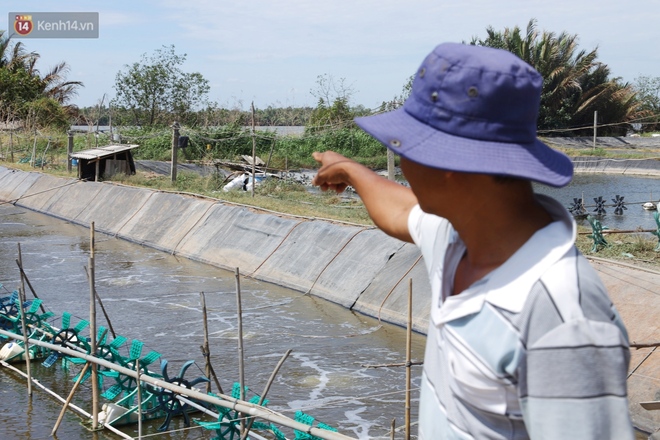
point(27, 95)
point(575, 84)
point(13, 56)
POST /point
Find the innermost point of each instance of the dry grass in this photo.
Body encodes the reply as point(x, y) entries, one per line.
point(633, 248)
point(288, 197)
point(281, 196)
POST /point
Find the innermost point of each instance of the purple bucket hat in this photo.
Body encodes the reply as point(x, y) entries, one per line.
point(473, 109)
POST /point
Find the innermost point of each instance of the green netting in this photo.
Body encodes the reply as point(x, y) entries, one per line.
point(309, 420)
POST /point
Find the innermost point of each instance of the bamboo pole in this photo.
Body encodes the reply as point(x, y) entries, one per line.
point(638, 345)
point(266, 389)
point(98, 298)
point(69, 398)
point(392, 429)
point(207, 355)
point(175, 145)
point(206, 350)
point(33, 159)
point(21, 311)
point(92, 330)
point(221, 400)
point(254, 152)
point(211, 413)
point(241, 366)
point(81, 376)
point(77, 409)
point(408, 349)
point(24, 275)
point(393, 364)
point(11, 145)
point(139, 398)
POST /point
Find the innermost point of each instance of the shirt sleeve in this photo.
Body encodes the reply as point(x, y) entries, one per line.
point(576, 384)
point(572, 381)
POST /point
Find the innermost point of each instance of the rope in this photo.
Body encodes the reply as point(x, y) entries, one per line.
point(396, 284)
point(276, 248)
point(192, 228)
point(333, 259)
point(13, 201)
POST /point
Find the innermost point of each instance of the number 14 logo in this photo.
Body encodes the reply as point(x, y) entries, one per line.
point(23, 24)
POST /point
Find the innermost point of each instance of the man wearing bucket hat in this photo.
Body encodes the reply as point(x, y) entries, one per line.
point(524, 341)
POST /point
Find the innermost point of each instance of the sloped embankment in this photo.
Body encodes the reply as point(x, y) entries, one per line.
point(358, 267)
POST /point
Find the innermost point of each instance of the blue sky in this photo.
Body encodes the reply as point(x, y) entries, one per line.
point(271, 52)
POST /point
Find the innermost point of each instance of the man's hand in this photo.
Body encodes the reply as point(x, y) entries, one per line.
point(387, 203)
point(333, 173)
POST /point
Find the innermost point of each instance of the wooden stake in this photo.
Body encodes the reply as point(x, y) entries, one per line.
point(98, 298)
point(21, 311)
point(408, 364)
point(241, 367)
point(392, 429)
point(68, 399)
point(595, 126)
point(67, 403)
point(11, 145)
point(33, 159)
point(92, 330)
point(175, 146)
point(390, 165)
point(205, 347)
point(254, 152)
point(266, 389)
point(24, 276)
point(206, 351)
point(139, 397)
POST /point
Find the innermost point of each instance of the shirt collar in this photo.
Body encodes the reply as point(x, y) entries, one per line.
point(508, 286)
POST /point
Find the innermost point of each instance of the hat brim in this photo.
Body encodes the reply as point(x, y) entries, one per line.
point(418, 142)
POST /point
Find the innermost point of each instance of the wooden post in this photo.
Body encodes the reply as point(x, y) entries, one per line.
point(270, 155)
point(393, 428)
point(98, 298)
point(205, 348)
point(27, 280)
point(390, 164)
point(33, 160)
point(595, 124)
point(175, 146)
point(408, 364)
point(139, 397)
point(11, 145)
point(266, 389)
point(92, 331)
point(43, 156)
point(254, 152)
point(69, 150)
point(241, 368)
point(21, 311)
point(68, 399)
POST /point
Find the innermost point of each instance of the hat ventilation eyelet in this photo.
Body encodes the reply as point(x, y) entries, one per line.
point(473, 92)
point(434, 96)
point(395, 143)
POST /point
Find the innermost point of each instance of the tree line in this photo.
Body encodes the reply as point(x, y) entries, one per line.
point(29, 96)
point(156, 90)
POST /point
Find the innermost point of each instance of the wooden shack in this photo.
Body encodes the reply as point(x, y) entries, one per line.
point(106, 161)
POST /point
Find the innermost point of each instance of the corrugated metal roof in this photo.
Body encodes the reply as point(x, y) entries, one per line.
point(101, 152)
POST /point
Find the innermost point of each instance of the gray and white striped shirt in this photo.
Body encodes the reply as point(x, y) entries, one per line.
point(535, 349)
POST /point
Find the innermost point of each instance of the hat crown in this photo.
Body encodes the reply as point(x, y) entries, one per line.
point(477, 92)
